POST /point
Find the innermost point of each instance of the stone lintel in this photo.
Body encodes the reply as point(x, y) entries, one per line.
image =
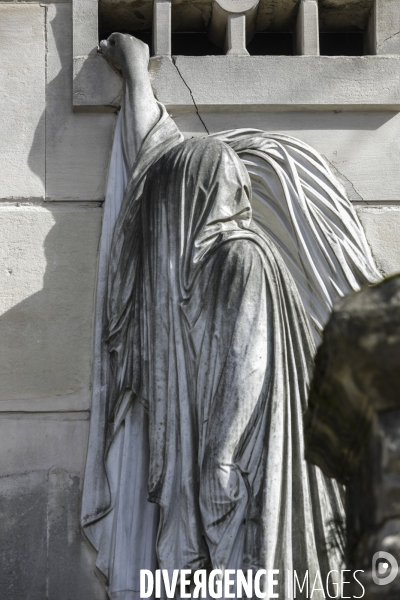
point(97, 87)
point(282, 82)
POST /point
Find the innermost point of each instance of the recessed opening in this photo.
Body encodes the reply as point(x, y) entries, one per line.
point(263, 43)
point(341, 43)
point(190, 23)
point(342, 26)
point(271, 43)
point(344, 15)
point(193, 43)
point(130, 16)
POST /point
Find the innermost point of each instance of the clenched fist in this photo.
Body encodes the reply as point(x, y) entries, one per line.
point(126, 53)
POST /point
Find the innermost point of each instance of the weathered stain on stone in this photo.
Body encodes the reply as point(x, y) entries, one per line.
point(44, 554)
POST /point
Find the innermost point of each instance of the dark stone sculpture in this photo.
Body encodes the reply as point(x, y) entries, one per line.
point(352, 426)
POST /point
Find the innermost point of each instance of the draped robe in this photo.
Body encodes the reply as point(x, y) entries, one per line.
point(206, 332)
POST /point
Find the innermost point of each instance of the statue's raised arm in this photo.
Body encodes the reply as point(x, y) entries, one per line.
point(131, 56)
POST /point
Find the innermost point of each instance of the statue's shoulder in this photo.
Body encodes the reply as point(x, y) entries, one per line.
point(190, 153)
point(199, 145)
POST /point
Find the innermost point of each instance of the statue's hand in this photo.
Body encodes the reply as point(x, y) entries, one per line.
point(126, 53)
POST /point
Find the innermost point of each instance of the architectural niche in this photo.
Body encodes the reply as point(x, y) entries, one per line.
point(192, 83)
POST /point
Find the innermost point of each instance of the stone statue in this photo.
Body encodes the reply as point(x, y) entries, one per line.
point(220, 259)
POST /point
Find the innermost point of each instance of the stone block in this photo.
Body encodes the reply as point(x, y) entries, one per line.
point(44, 554)
point(361, 147)
point(22, 101)
point(282, 83)
point(383, 30)
point(32, 442)
point(288, 82)
point(307, 28)
point(163, 70)
point(235, 40)
point(162, 28)
point(78, 145)
point(97, 87)
point(85, 31)
point(382, 228)
point(49, 258)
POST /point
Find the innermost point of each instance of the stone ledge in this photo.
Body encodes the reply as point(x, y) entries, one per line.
point(97, 87)
point(79, 402)
point(224, 82)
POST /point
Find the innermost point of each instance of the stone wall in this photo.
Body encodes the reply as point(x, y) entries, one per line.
point(53, 167)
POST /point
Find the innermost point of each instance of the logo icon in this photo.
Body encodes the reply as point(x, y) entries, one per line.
point(384, 568)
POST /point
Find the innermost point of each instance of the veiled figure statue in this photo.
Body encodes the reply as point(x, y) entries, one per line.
point(220, 259)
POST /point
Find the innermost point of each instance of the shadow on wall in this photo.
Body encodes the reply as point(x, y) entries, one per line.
point(49, 258)
point(53, 87)
point(78, 144)
point(46, 349)
point(46, 352)
point(43, 553)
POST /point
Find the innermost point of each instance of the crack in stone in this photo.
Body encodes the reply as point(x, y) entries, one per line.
point(388, 38)
point(191, 95)
point(356, 196)
point(116, 102)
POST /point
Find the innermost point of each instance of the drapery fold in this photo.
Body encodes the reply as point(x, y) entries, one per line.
point(226, 256)
point(304, 209)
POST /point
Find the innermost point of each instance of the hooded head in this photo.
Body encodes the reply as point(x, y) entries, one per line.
point(196, 197)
